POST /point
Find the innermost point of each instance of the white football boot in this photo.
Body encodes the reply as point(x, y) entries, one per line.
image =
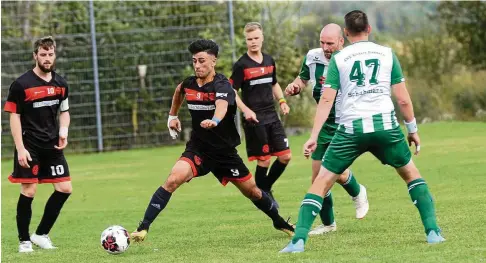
point(361, 203)
point(322, 229)
point(25, 247)
point(43, 241)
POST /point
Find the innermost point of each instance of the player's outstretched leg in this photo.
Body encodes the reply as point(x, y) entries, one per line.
point(309, 209)
point(24, 214)
point(357, 192)
point(181, 173)
point(51, 212)
point(422, 199)
point(263, 202)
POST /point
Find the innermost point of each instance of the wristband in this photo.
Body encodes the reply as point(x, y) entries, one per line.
point(63, 132)
point(172, 117)
point(216, 120)
point(282, 100)
point(411, 126)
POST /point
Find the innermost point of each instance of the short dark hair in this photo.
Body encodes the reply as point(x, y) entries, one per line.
point(356, 22)
point(45, 43)
point(204, 45)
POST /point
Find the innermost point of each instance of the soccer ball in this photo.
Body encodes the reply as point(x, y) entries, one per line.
point(115, 239)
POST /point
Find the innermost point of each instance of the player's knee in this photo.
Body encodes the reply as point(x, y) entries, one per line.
point(175, 179)
point(285, 158)
point(264, 163)
point(66, 188)
point(343, 178)
point(29, 190)
point(254, 193)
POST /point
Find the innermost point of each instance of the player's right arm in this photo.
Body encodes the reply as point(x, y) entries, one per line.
point(236, 80)
point(296, 86)
point(173, 122)
point(300, 82)
point(404, 102)
point(14, 105)
point(247, 112)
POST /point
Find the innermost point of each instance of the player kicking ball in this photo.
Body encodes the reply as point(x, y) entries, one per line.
point(212, 145)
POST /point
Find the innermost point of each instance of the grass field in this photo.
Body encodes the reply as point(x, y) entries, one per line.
point(205, 222)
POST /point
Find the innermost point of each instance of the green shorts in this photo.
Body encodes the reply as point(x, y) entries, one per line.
point(388, 146)
point(323, 141)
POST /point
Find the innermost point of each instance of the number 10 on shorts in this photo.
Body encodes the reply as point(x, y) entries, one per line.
point(57, 170)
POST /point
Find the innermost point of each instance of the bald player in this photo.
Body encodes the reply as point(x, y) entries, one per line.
point(314, 70)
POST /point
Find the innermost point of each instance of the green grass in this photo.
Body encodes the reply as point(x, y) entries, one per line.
point(205, 222)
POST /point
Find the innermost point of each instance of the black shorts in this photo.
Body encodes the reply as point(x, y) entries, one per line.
point(47, 166)
point(265, 141)
point(226, 165)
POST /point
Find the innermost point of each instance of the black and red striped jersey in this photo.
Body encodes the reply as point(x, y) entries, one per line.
point(38, 103)
point(255, 81)
point(201, 102)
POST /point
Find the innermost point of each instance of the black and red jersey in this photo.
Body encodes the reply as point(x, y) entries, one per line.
point(201, 102)
point(255, 81)
point(38, 103)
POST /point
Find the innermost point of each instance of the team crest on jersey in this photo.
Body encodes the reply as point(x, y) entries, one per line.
point(35, 170)
point(197, 160)
point(265, 149)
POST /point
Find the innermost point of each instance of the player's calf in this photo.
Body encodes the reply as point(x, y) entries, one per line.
point(51, 213)
point(422, 199)
point(263, 202)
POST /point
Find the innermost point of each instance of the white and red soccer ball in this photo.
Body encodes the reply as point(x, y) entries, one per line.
point(115, 239)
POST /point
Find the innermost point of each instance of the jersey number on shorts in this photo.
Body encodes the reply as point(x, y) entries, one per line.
point(286, 142)
point(235, 172)
point(57, 170)
point(358, 76)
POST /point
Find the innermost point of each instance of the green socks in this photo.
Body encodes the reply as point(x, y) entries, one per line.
point(422, 199)
point(327, 213)
point(351, 185)
point(311, 205)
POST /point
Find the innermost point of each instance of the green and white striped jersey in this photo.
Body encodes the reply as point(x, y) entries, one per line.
point(364, 73)
point(315, 66)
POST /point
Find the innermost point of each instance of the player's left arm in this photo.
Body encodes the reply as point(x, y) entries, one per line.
point(219, 113)
point(277, 91)
point(278, 94)
point(64, 121)
point(404, 103)
point(225, 95)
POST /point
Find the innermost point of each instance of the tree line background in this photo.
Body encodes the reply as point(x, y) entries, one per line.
point(441, 46)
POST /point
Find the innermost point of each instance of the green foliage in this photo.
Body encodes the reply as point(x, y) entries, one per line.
point(157, 33)
point(466, 22)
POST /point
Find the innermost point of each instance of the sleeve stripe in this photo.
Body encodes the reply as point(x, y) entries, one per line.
point(10, 107)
